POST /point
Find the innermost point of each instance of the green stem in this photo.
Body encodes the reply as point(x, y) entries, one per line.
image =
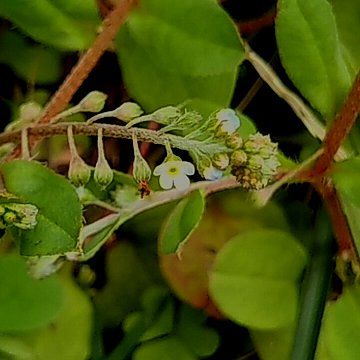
point(314, 293)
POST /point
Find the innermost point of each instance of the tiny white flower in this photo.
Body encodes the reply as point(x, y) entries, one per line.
point(212, 173)
point(174, 173)
point(228, 119)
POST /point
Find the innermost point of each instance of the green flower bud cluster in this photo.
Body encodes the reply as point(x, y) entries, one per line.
point(22, 216)
point(256, 162)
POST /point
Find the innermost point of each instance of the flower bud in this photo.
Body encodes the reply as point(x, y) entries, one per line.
point(166, 114)
point(128, 111)
point(238, 158)
point(234, 141)
point(93, 102)
point(141, 169)
point(79, 172)
point(9, 217)
point(221, 161)
point(103, 174)
point(29, 111)
point(206, 169)
point(22, 216)
point(228, 121)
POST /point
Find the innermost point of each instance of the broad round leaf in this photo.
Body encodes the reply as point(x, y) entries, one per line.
point(339, 338)
point(69, 337)
point(181, 222)
point(60, 213)
point(175, 51)
point(25, 303)
point(254, 279)
point(310, 51)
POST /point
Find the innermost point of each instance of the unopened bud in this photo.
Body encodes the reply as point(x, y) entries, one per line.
point(238, 158)
point(128, 111)
point(221, 161)
point(93, 102)
point(166, 114)
point(9, 217)
point(22, 216)
point(103, 174)
point(141, 169)
point(255, 162)
point(228, 120)
point(234, 141)
point(29, 111)
point(79, 172)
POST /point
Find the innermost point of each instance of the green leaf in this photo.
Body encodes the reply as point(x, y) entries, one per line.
point(181, 222)
point(310, 51)
point(274, 344)
point(254, 278)
point(339, 339)
point(60, 214)
point(164, 349)
point(32, 63)
point(46, 23)
point(346, 176)
point(202, 341)
point(176, 51)
point(69, 337)
point(25, 303)
point(127, 279)
point(347, 14)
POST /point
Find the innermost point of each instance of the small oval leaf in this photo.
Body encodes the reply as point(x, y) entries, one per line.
point(181, 222)
point(60, 214)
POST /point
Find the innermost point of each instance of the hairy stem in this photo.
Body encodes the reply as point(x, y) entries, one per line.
point(113, 131)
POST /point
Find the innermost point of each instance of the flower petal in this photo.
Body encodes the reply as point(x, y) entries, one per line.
point(188, 168)
point(211, 173)
point(182, 182)
point(160, 169)
point(166, 182)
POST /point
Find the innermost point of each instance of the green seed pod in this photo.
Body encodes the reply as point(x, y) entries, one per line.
point(79, 172)
point(93, 102)
point(141, 169)
point(103, 174)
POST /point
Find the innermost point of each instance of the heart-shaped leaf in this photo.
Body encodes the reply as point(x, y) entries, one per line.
point(254, 278)
point(60, 214)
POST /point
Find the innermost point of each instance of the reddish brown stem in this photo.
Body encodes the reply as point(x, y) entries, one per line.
point(250, 27)
point(341, 127)
point(85, 65)
point(339, 221)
